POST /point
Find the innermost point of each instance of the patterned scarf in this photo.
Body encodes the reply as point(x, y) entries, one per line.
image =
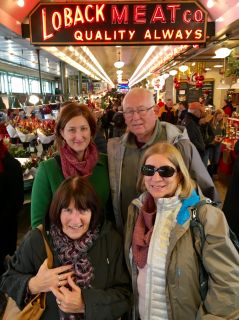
point(71, 166)
point(75, 252)
point(3, 152)
point(143, 231)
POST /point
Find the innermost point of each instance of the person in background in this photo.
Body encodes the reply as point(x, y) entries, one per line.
point(208, 136)
point(228, 107)
point(182, 111)
point(218, 124)
point(119, 123)
point(78, 155)
point(159, 247)
point(231, 202)
point(12, 197)
point(168, 113)
point(89, 279)
point(144, 130)
point(191, 122)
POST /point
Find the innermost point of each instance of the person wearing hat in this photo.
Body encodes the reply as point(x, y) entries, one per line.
point(195, 112)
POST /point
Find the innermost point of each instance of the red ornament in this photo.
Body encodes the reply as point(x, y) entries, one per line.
point(175, 80)
point(177, 85)
point(197, 77)
point(201, 77)
point(199, 84)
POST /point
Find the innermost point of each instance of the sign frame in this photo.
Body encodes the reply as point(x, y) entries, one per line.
point(139, 14)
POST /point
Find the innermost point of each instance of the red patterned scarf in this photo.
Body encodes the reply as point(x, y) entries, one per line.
point(75, 252)
point(71, 166)
point(143, 231)
point(3, 152)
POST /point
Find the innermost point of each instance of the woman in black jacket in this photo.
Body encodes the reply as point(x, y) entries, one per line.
point(89, 279)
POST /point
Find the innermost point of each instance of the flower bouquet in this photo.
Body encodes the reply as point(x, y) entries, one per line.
point(11, 127)
point(46, 131)
point(26, 129)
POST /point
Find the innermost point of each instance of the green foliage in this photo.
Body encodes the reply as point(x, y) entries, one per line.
point(18, 151)
point(232, 66)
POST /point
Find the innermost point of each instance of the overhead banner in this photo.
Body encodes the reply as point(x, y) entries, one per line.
point(113, 23)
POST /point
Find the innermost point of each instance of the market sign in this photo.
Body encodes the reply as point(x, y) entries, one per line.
point(111, 23)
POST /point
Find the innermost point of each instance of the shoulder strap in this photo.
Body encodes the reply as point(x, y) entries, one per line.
point(197, 231)
point(48, 250)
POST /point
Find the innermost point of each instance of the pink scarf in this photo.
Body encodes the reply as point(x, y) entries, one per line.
point(70, 164)
point(143, 231)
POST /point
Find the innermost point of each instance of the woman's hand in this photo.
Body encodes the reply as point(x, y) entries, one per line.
point(47, 278)
point(69, 300)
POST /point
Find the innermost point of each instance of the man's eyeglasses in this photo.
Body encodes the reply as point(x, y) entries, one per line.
point(164, 171)
point(141, 112)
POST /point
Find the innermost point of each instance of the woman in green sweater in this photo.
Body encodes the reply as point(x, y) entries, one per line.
point(78, 155)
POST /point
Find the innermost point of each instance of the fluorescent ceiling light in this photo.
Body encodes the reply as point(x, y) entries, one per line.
point(218, 66)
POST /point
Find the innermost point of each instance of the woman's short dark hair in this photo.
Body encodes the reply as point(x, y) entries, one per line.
point(69, 111)
point(79, 190)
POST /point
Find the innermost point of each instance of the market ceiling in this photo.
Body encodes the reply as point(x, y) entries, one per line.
point(224, 13)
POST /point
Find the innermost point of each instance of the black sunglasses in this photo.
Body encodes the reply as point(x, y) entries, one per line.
point(164, 171)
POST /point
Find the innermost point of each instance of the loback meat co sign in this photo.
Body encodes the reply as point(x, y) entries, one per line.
point(127, 22)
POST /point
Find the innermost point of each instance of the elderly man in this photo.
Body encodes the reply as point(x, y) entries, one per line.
point(125, 153)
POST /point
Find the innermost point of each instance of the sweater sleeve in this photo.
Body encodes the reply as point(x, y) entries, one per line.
point(221, 260)
point(23, 265)
point(41, 196)
point(110, 303)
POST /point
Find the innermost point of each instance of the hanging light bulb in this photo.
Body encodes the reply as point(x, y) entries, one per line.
point(20, 3)
point(119, 72)
point(183, 68)
point(173, 72)
point(119, 64)
point(222, 53)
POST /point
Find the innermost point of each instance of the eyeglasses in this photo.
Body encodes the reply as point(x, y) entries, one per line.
point(141, 112)
point(164, 171)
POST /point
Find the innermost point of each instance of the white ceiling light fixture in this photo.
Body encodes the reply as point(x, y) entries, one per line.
point(119, 72)
point(173, 72)
point(183, 68)
point(119, 64)
point(165, 76)
point(235, 85)
point(223, 85)
point(222, 53)
point(210, 4)
point(20, 3)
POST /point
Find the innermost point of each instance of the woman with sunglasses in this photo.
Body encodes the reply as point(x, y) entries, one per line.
point(160, 250)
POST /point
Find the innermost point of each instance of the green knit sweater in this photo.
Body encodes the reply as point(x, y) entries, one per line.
point(48, 178)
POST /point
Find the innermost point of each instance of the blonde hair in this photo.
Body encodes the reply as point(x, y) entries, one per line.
point(215, 122)
point(173, 155)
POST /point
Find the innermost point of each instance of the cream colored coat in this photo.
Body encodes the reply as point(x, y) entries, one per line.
point(221, 261)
